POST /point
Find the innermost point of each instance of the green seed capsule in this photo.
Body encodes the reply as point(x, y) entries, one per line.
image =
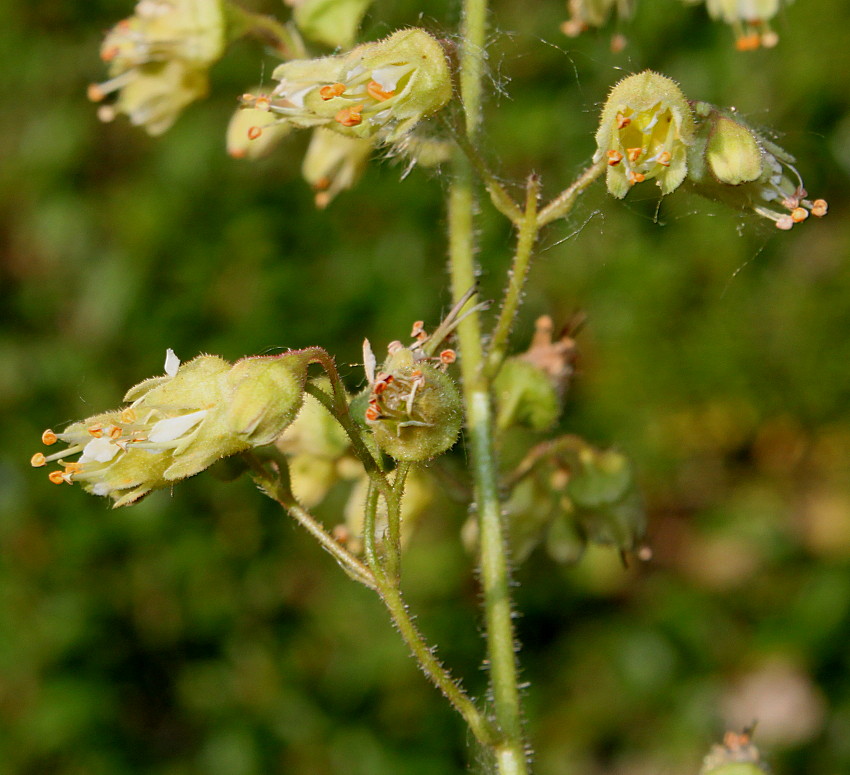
point(414, 409)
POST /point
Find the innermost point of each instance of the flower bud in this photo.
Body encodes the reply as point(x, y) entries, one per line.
point(158, 60)
point(601, 488)
point(334, 163)
point(732, 163)
point(179, 424)
point(414, 409)
point(378, 90)
point(529, 387)
point(253, 133)
point(332, 22)
point(644, 132)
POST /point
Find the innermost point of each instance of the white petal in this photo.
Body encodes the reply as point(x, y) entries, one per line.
point(100, 450)
point(388, 77)
point(175, 427)
point(172, 362)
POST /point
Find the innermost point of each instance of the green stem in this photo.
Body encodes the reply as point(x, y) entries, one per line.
point(563, 203)
point(501, 199)
point(526, 237)
point(337, 405)
point(278, 489)
point(394, 522)
point(284, 38)
point(510, 750)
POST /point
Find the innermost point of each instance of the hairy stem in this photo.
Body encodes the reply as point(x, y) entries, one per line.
point(510, 749)
point(563, 203)
point(526, 237)
point(278, 489)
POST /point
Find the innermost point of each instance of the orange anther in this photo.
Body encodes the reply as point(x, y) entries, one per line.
point(109, 53)
point(373, 413)
point(73, 468)
point(349, 116)
point(394, 347)
point(799, 214)
point(664, 158)
point(373, 89)
point(254, 132)
point(418, 328)
point(48, 437)
point(96, 430)
point(819, 208)
point(448, 356)
point(622, 121)
point(57, 477)
point(748, 42)
point(128, 415)
point(262, 103)
point(332, 90)
point(634, 153)
point(785, 223)
point(636, 177)
point(37, 460)
point(614, 158)
point(115, 432)
point(95, 93)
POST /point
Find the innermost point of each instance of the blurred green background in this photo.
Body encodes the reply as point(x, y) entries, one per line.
point(202, 632)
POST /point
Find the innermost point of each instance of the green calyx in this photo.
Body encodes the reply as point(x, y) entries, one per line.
point(414, 409)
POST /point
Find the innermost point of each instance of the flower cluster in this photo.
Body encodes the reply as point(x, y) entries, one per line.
point(731, 162)
point(158, 60)
point(376, 91)
point(179, 424)
point(644, 133)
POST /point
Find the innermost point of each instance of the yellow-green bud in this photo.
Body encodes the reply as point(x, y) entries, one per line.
point(731, 162)
point(334, 163)
point(179, 424)
point(644, 133)
point(529, 387)
point(414, 409)
point(332, 22)
point(378, 90)
point(524, 395)
point(158, 60)
point(601, 488)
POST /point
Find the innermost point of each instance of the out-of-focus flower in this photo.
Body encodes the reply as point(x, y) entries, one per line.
point(332, 22)
point(644, 133)
point(735, 756)
point(334, 163)
point(179, 424)
point(378, 90)
point(731, 162)
point(253, 133)
point(593, 13)
point(749, 20)
point(158, 60)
